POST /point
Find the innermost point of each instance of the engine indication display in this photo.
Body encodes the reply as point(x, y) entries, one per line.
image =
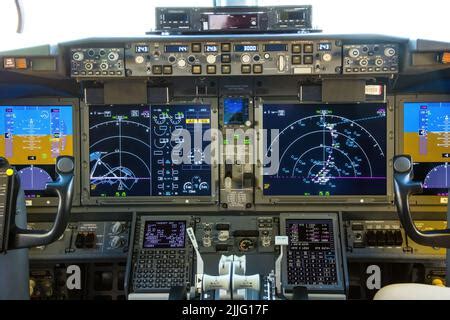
point(132, 151)
point(325, 150)
point(32, 137)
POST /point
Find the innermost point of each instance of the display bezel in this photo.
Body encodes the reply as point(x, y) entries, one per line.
point(260, 198)
point(47, 102)
point(400, 102)
point(87, 199)
point(284, 218)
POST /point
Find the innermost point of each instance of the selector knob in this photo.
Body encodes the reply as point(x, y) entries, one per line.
point(364, 62)
point(245, 58)
point(389, 52)
point(116, 242)
point(113, 56)
point(211, 59)
point(88, 66)
point(104, 66)
point(181, 63)
point(354, 53)
point(78, 56)
point(379, 62)
point(117, 228)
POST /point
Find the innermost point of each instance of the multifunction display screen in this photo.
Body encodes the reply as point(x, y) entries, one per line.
point(324, 150)
point(158, 150)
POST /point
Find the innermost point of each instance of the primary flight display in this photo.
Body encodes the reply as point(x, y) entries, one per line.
point(32, 137)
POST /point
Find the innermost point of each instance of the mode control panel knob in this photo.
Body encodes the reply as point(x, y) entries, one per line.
point(211, 59)
point(181, 63)
point(245, 58)
point(327, 57)
point(116, 242)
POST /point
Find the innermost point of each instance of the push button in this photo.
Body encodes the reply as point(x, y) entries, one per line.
point(157, 69)
point(197, 69)
point(308, 48)
point(225, 58)
point(167, 69)
point(296, 59)
point(296, 48)
point(225, 47)
point(246, 68)
point(211, 69)
point(226, 69)
point(257, 68)
point(196, 47)
point(308, 59)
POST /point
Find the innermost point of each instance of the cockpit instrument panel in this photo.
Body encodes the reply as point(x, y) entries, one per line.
point(324, 150)
point(150, 151)
point(32, 137)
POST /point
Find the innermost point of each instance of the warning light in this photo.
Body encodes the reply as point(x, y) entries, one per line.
point(21, 63)
point(445, 58)
point(9, 172)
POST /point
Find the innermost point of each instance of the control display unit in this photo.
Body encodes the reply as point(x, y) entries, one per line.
point(161, 255)
point(164, 234)
point(313, 252)
point(150, 151)
point(32, 137)
point(426, 137)
point(324, 150)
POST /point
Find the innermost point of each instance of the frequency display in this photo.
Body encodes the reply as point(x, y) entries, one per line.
point(426, 138)
point(325, 150)
point(32, 137)
point(164, 234)
point(132, 149)
point(311, 256)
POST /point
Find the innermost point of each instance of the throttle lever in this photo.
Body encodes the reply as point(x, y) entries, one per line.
point(404, 186)
point(64, 189)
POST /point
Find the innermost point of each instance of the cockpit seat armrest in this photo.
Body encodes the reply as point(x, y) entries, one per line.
point(413, 291)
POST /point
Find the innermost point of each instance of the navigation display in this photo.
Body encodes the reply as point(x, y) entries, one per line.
point(325, 150)
point(426, 138)
point(311, 254)
point(32, 137)
point(149, 150)
point(164, 234)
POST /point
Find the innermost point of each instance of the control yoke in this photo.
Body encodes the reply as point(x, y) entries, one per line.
point(404, 186)
point(15, 237)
